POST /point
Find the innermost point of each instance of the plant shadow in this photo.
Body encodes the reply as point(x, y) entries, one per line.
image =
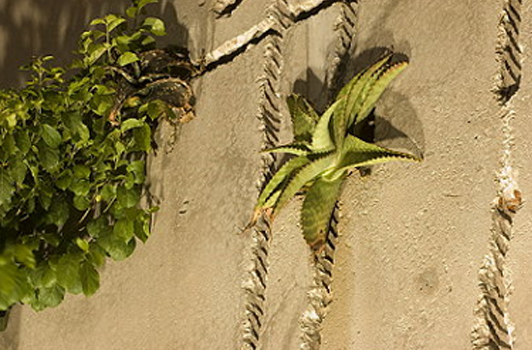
point(393, 123)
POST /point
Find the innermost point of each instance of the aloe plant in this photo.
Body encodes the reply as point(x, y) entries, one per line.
point(327, 149)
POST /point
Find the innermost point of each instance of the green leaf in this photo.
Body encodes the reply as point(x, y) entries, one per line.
point(64, 180)
point(142, 138)
point(321, 139)
point(317, 209)
point(95, 52)
point(49, 278)
point(59, 212)
point(90, 278)
point(307, 173)
point(128, 198)
point(131, 123)
point(49, 157)
point(143, 3)
point(294, 148)
point(355, 88)
point(127, 58)
point(24, 255)
point(142, 228)
point(279, 178)
point(116, 248)
point(68, 273)
point(80, 187)
point(98, 227)
point(7, 188)
point(156, 109)
point(96, 21)
point(81, 171)
point(17, 171)
point(378, 88)
point(137, 168)
point(82, 244)
point(102, 104)
point(9, 144)
point(14, 285)
point(132, 11)
point(357, 153)
point(113, 21)
point(108, 192)
point(23, 142)
point(49, 297)
point(96, 255)
point(124, 229)
point(51, 136)
point(155, 26)
point(81, 203)
point(304, 118)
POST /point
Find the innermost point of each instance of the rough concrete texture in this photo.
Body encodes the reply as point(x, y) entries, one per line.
point(412, 236)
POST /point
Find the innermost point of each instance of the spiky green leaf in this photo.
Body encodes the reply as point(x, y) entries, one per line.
point(306, 174)
point(353, 91)
point(280, 176)
point(304, 117)
point(317, 209)
point(382, 81)
point(297, 149)
point(321, 139)
point(357, 153)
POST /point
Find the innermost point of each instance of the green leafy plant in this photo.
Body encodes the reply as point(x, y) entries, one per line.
point(73, 144)
point(326, 149)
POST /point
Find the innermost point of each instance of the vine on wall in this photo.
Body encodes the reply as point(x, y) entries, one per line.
point(73, 144)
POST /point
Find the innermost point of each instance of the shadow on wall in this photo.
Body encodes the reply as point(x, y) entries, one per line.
point(396, 124)
point(9, 339)
point(35, 28)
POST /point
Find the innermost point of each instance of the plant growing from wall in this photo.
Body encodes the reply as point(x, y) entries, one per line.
point(73, 144)
point(326, 149)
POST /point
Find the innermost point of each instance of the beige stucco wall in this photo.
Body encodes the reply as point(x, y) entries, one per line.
point(413, 236)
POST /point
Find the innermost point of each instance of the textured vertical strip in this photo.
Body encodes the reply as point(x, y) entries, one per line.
point(345, 28)
point(255, 285)
point(270, 116)
point(320, 295)
point(493, 329)
point(509, 50)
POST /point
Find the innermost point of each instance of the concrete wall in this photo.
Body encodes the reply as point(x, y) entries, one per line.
point(412, 236)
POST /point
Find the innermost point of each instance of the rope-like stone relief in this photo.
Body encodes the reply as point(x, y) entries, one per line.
point(493, 328)
point(270, 116)
point(225, 7)
point(320, 295)
point(345, 28)
point(509, 50)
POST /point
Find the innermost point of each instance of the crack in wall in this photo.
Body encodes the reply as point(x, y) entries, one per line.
point(493, 328)
point(270, 116)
